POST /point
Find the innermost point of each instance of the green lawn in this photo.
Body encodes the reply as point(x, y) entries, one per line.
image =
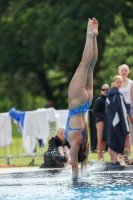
point(19, 156)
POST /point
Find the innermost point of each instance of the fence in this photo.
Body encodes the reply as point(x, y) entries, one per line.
point(14, 154)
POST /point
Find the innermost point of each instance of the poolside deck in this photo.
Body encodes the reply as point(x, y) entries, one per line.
point(6, 170)
point(94, 169)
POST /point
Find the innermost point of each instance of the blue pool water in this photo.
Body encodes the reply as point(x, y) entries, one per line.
point(57, 184)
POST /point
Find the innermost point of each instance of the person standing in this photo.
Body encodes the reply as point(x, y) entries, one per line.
point(116, 129)
point(126, 90)
point(99, 113)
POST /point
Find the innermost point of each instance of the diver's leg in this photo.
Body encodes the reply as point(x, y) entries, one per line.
point(77, 94)
point(89, 83)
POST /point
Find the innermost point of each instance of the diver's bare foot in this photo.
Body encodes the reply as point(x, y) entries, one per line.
point(94, 23)
point(92, 27)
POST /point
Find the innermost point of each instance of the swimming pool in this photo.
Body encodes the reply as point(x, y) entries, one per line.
point(57, 184)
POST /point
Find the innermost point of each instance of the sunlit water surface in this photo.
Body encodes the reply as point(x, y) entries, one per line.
point(57, 184)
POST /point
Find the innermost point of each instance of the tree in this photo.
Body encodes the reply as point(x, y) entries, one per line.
point(118, 51)
point(42, 44)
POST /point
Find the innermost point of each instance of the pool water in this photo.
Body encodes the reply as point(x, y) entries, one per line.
point(57, 184)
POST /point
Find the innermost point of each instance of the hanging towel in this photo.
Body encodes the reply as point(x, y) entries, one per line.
point(18, 116)
point(36, 123)
point(61, 120)
point(28, 142)
point(5, 129)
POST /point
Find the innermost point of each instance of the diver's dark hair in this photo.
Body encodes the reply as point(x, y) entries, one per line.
point(83, 147)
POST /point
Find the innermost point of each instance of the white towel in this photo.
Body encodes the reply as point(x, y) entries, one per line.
point(36, 124)
point(29, 143)
point(61, 120)
point(44, 117)
point(5, 129)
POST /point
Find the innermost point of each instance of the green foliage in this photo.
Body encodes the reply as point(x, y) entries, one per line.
point(118, 50)
point(42, 44)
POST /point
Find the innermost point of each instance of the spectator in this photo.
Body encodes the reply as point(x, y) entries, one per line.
point(99, 113)
point(58, 153)
point(126, 90)
point(116, 129)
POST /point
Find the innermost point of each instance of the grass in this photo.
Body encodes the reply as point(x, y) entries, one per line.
point(20, 157)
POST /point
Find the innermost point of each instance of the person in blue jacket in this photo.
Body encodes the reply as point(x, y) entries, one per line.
point(116, 129)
